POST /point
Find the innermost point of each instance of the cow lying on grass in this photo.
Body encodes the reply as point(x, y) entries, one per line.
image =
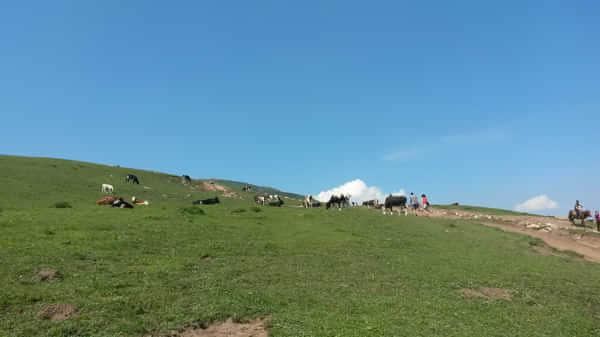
point(210, 201)
point(137, 201)
point(107, 200)
point(120, 203)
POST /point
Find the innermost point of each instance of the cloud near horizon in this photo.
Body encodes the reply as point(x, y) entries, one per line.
point(539, 203)
point(358, 190)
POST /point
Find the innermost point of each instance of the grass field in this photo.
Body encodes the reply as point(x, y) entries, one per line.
point(154, 269)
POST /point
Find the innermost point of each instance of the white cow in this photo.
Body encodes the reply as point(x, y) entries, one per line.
point(308, 201)
point(106, 188)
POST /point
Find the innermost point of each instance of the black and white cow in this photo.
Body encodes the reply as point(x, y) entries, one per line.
point(340, 201)
point(132, 178)
point(186, 180)
point(210, 201)
point(395, 201)
point(120, 203)
point(371, 203)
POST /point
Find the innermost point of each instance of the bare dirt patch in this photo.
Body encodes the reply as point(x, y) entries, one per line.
point(487, 293)
point(211, 186)
point(57, 312)
point(229, 328)
point(48, 274)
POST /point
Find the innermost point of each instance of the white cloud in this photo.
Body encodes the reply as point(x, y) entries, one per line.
point(358, 190)
point(539, 203)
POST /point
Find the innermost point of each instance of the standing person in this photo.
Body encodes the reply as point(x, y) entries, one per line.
point(424, 201)
point(578, 207)
point(597, 217)
point(414, 201)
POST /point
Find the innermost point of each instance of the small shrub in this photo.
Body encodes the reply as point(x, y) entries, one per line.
point(256, 209)
point(238, 210)
point(536, 242)
point(192, 211)
point(62, 204)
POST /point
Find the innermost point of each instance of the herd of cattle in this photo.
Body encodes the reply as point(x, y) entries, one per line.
point(338, 201)
point(342, 201)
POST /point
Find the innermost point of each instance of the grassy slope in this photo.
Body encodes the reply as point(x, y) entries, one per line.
point(482, 210)
point(318, 273)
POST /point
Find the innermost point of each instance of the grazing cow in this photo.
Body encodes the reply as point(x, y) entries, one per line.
point(186, 180)
point(247, 188)
point(120, 203)
point(107, 200)
point(271, 200)
point(106, 188)
point(260, 199)
point(370, 203)
point(308, 201)
point(137, 201)
point(340, 201)
point(276, 201)
point(211, 201)
point(398, 201)
point(132, 178)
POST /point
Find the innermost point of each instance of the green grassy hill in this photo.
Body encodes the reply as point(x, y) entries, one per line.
point(153, 270)
point(41, 182)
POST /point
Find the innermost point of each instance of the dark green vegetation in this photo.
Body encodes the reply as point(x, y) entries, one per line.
point(316, 272)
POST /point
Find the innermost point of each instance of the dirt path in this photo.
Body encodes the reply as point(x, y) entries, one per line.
point(590, 252)
point(555, 232)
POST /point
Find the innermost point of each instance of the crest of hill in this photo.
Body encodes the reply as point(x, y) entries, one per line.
point(42, 182)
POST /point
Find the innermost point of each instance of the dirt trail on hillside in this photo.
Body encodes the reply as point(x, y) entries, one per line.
point(555, 232)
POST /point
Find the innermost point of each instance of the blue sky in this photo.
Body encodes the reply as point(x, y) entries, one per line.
point(468, 101)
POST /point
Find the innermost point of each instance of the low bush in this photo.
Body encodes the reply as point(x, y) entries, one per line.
point(62, 204)
point(193, 211)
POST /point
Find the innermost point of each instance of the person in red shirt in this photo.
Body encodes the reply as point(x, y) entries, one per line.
point(424, 201)
point(597, 217)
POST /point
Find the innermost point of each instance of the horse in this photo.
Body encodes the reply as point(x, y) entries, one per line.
point(583, 214)
point(132, 178)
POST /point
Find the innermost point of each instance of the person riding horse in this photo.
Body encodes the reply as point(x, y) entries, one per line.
point(578, 208)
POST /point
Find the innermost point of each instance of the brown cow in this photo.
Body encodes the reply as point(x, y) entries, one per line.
point(107, 200)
